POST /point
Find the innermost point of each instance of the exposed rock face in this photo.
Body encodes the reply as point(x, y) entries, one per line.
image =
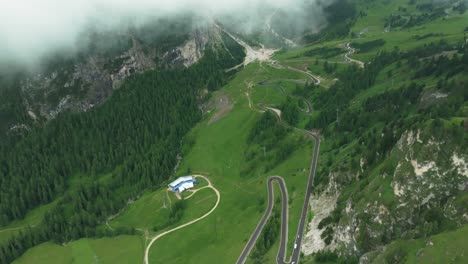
point(193, 49)
point(321, 207)
point(429, 173)
point(134, 61)
point(79, 85)
point(425, 174)
point(190, 52)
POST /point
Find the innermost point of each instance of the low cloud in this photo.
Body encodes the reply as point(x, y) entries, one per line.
point(32, 29)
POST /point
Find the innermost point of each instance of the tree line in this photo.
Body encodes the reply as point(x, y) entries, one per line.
point(134, 137)
point(372, 128)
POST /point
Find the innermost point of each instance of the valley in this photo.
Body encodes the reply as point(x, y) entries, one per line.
point(344, 145)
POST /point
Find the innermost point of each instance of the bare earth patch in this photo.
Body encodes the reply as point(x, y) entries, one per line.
point(322, 206)
point(222, 104)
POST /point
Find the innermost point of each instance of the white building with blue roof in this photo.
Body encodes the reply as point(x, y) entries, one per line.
point(182, 183)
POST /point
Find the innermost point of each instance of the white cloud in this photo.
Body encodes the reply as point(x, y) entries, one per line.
point(29, 29)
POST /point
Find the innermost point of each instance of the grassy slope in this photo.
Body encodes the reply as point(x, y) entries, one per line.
point(121, 249)
point(218, 152)
point(145, 212)
point(32, 219)
point(372, 26)
point(448, 247)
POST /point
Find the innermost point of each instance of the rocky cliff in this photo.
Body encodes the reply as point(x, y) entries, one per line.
point(79, 83)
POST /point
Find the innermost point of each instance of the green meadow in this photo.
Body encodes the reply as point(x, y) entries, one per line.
point(32, 219)
point(217, 147)
point(120, 249)
point(218, 153)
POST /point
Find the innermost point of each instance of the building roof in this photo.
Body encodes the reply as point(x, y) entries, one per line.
point(184, 186)
point(180, 180)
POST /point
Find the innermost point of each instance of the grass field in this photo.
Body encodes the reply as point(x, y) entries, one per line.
point(121, 249)
point(447, 247)
point(372, 26)
point(218, 153)
point(146, 212)
point(152, 209)
point(32, 219)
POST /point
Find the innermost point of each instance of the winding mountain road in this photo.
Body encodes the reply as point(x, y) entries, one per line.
point(296, 253)
point(314, 78)
point(266, 216)
point(261, 55)
point(351, 51)
point(218, 195)
point(283, 91)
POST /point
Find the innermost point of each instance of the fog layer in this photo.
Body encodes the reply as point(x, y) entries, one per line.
point(31, 29)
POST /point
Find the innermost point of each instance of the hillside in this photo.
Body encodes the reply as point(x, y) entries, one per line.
point(79, 82)
point(383, 84)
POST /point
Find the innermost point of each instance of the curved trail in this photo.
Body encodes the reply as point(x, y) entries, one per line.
point(251, 54)
point(311, 76)
point(283, 91)
point(351, 51)
point(308, 105)
point(314, 78)
point(265, 108)
point(19, 227)
point(15, 228)
point(218, 195)
point(263, 54)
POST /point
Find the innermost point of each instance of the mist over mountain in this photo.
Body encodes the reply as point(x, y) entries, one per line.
point(185, 131)
point(31, 30)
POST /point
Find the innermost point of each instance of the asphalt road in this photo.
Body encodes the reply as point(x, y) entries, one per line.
point(296, 251)
point(266, 215)
point(303, 220)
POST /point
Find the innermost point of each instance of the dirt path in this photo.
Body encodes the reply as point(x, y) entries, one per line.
point(263, 54)
point(314, 78)
point(20, 227)
point(218, 195)
point(195, 191)
point(15, 228)
point(249, 86)
point(110, 227)
point(251, 54)
point(250, 102)
point(271, 109)
point(307, 104)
